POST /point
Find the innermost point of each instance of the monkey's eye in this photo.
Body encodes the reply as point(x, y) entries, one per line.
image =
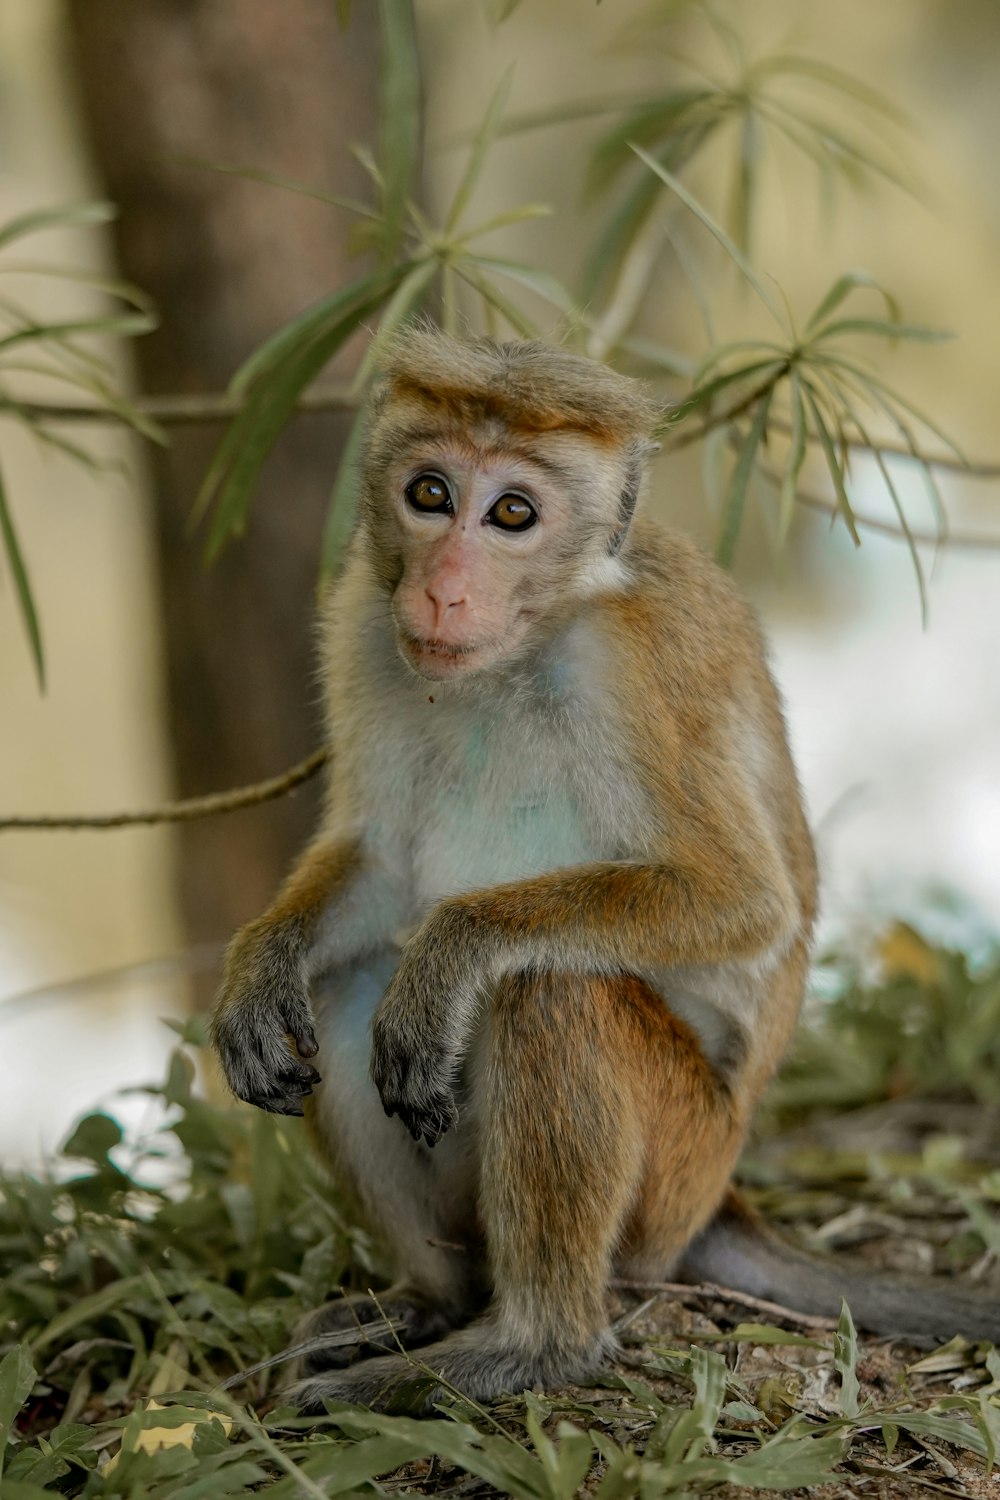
point(429, 493)
point(512, 513)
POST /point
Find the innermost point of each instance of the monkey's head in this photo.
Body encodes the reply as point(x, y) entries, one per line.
point(499, 480)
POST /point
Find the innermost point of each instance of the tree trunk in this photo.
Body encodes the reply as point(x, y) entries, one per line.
point(280, 88)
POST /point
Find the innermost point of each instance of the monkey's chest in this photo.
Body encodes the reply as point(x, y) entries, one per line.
point(475, 835)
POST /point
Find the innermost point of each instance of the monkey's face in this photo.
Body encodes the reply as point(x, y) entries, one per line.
point(483, 543)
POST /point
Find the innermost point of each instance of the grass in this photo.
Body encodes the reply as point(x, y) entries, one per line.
point(136, 1276)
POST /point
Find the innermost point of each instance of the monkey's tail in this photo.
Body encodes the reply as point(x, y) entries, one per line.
point(738, 1249)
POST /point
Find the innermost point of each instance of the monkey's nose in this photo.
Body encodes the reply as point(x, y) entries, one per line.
point(445, 598)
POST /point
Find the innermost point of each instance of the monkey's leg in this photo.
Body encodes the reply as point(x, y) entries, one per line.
point(419, 1204)
point(570, 1082)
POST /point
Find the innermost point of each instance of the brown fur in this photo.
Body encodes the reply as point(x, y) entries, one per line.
point(530, 388)
point(561, 904)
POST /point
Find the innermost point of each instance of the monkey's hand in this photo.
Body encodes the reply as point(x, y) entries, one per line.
point(262, 1008)
point(418, 1038)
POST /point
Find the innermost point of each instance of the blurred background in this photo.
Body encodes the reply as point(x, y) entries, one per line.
point(167, 678)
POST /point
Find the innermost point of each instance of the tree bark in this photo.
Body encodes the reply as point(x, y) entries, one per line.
point(281, 88)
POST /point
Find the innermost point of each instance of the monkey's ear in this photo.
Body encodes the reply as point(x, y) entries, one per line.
point(635, 464)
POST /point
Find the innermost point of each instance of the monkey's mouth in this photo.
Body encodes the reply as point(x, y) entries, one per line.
point(434, 658)
point(447, 649)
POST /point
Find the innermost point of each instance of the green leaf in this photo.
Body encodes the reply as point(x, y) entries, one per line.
point(499, 1460)
point(571, 110)
point(93, 1138)
point(240, 1478)
point(94, 385)
point(257, 428)
point(845, 1359)
point(343, 1470)
point(484, 138)
point(881, 328)
point(768, 369)
point(788, 1461)
point(708, 1374)
point(343, 501)
point(289, 184)
point(746, 178)
point(725, 351)
point(904, 524)
point(792, 64)
point(96, 1304)
point(954, 1430)
point(623, 1470)
point(665, 124)
point(739, 484)
point(111, 286)
point(897, 503)
point(841, 289)
point(886, 401)
point(495, 300)
point(565, 1466)
point(276, 348)
point(120, 325)
point(795, 460)
point(517, 215)
point(735, 255)
point(880, 392)
point(648, 352)
point(399, 112)
point(17, 1376)
point(22, 585)
point(988, 1420)
point(619, 230)
point(764, 1333)
point(850, 157)
point(832, 463)
point(549, 288)
point(50, 218)
point(407, 297)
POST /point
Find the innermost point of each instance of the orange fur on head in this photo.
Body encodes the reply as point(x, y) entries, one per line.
point(529, 387)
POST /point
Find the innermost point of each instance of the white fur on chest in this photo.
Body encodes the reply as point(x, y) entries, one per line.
point(496, 801)
point(478, 788)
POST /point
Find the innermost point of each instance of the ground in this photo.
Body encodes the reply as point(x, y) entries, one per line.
point(150, 1271)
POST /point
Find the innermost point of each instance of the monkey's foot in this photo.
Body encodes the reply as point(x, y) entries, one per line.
point(479, 1367)
point(415, 1321)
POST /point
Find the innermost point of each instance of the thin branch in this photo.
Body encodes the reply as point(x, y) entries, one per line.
point(965, 468)
point(171, 411)
point(190, 807)
point(218, 406)
point(686, 437)
point(971, 540)
point(682, 1289)
point(197, 959)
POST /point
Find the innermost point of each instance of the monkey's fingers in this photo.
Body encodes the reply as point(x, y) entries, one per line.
point(305, 1041)
point(263, 1070)
point(284, 1092)
point(427, 1121)
point(280, 1104)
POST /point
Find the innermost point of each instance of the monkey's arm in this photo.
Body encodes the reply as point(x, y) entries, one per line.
point(713, 889)
point(336, 903)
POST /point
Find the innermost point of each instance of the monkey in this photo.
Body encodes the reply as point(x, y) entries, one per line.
point(550, 942)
